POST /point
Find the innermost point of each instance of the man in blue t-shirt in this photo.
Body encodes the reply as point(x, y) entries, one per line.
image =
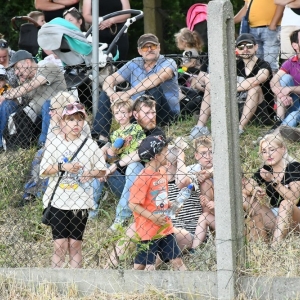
point(151, 74)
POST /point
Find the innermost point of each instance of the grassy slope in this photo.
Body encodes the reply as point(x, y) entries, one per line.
point(25, 242)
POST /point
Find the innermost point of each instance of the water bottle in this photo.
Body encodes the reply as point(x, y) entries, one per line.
point(85, 185)
point(183, 195)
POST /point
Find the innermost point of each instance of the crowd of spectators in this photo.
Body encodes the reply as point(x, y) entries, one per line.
point(142, 167)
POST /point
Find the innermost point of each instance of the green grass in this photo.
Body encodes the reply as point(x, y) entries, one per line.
point(25, 242)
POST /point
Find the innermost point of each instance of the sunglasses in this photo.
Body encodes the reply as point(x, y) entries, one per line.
point(69, 10)
point(71, 106)
point(52, 108)
point(3, 44)
point(242, 47)
point(144, 98)
point(146, 48)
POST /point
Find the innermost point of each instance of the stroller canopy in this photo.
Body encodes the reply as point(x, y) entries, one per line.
point(66, 41)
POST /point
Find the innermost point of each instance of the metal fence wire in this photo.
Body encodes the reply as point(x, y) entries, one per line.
point(128, 196)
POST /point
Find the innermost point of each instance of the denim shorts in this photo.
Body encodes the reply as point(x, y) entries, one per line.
point(165, 247)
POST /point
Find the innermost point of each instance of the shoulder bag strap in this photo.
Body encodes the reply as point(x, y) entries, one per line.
point(62, 172)
point(248, 10)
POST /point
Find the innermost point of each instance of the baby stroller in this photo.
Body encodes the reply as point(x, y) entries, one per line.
point(28, 33)
point(196, 19)
point(75, 51)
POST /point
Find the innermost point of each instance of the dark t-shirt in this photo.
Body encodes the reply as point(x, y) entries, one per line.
point(50, 15)
point(292, 173)
point(155, 131)
point(260, 64)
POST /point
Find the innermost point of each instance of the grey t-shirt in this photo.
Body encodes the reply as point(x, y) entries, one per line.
point(55, 83)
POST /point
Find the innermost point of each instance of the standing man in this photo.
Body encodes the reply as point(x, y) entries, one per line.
point(39, 83)
point(264, 19)
point(151, 74)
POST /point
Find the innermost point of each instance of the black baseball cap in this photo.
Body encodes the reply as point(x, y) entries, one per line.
point(18, 56)
point(151, 146)
point(245, 37)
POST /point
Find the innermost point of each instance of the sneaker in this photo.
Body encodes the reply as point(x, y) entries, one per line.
point(115, 225)
point(241, 131)
point(198, 131)
point(277, 123)
point(290, 133)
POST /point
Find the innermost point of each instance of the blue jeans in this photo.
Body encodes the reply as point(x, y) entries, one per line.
point(103, 119)
point(268, 44)
point(7, 107)
point(45, 122)
point(293, 110)
point(116, 182)
point(123, 211)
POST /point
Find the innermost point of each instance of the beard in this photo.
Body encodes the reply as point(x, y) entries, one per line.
point(246, 55)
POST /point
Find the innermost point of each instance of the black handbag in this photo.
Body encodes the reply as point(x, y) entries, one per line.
point(46, 217)
point(245, 27)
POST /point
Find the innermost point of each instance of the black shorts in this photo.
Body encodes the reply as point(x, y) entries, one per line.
point(165, 247)
point(68, 223)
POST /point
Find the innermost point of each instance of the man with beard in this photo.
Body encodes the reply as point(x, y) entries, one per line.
point(144, 111)
point(151, 74)
point(253, 84)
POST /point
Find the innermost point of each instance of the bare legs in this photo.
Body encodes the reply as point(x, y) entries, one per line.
point(61, 247)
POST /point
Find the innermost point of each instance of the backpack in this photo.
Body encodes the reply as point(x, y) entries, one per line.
point(22, 129)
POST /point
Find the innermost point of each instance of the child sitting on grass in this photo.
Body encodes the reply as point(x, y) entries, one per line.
point(128, 136)
point(149, 203)
point(4, 86)
point(125, 140)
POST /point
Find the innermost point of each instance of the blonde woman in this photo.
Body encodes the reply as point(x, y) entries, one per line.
point(281, 176)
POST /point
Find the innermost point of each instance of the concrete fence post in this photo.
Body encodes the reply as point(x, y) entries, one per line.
point(227, 171)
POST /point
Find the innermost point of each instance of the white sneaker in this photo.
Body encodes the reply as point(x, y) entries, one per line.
point(198, 131)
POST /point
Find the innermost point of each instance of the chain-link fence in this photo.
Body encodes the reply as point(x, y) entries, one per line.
point(127, 196)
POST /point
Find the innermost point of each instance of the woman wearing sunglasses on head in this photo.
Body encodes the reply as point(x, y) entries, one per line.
point(5, 56)
point(55, 8)
point(110, 27)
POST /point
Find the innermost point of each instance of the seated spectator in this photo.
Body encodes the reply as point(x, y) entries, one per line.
point(144, 111)
point(151, 74)
point(264, 21)
point(38, 17)
point(4, 85)
point(281, 176)
point(191, 65)
point(149, 203)
point(285, 85)
point(124, 141)
point(38, 83)
point(253, 81)
point(5, 59)
point(74, 16)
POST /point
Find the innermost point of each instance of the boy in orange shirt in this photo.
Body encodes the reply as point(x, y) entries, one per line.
point(149, 203)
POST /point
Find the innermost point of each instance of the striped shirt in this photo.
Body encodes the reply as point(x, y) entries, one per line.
point(189, 214)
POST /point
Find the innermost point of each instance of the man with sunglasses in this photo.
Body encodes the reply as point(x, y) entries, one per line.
point(151, 74)
point(253, 85)
point(39, 83)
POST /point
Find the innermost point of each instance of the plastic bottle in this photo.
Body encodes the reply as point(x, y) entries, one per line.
point(183, 195)
point(85, 185)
